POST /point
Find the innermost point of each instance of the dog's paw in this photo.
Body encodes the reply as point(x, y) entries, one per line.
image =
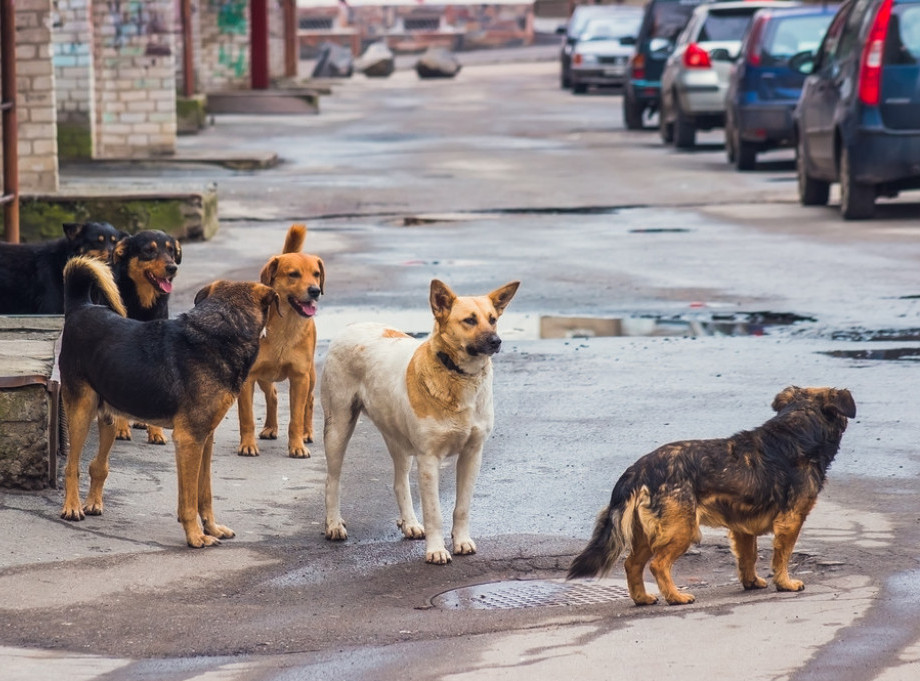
point(139, 425)
point(790, 585)
point(645, 599)
point(218, 531)
point(200, 540)
point(74, 514)
point(248, 449)
point(122, 433)
point(680, 598)
point(411, 530)
point(438, 557)
point(757, 583)
point(464, 547)
point(268, 433)
point(335, 531)
point(155, 436)
point(93, 508)
point(298, 451)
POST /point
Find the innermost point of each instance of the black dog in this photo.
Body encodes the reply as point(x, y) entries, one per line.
point(32, 275)
point(182, 373)
point(144, 265)
point(757, 481)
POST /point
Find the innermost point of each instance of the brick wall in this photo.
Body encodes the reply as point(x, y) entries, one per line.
point(224, 45)
point(35, 99)
point(73, 74)
point(134, 71)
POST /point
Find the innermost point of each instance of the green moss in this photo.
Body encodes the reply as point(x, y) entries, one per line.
point(191, 113)
point(74, 141)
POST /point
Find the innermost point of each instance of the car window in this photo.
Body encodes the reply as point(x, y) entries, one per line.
point(609, 29)
point(725, 25)
point(832, 37)
point(790, 35)
point(669, 19)
point(903, 43)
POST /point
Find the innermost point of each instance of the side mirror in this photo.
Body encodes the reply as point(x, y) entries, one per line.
point(660, 45)
point(803, 62)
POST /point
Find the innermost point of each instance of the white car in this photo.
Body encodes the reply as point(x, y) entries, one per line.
point(696, 75)
point(600, 55)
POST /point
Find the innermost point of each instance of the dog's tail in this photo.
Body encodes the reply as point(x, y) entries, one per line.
point(85, 278)
point(613, 531)
point(295, 238)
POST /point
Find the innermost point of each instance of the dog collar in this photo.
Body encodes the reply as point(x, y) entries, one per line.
point(449, 363)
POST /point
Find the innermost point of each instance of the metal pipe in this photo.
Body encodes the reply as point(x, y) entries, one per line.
point(10, 197)
point(188, 50)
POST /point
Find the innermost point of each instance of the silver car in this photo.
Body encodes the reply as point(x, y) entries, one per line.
point(696, 74)
point(603, 49)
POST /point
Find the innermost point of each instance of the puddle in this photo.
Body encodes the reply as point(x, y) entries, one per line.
point(911, 354)
point(518, 326)
point(871, 335)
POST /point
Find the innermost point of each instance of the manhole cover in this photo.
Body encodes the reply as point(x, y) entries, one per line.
point(530, 594)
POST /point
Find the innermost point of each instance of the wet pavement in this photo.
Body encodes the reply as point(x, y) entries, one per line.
point(399, 183)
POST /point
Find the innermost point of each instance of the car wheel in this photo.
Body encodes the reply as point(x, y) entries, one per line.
point(729, 142)
point(745, 154)
point(812, 192)
point(684, 130)
point(579, 88)
point(632, 113)
point(564, 82)
point(665, 129)
point(857, 200)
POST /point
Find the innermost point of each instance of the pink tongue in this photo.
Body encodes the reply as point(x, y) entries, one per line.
point(165, 285)
point(309, 309)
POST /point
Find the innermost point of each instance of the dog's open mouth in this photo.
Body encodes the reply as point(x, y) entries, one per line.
point(161, 284)
point(303, 308)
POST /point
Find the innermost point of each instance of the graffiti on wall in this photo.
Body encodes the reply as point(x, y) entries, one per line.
point(135, 21)
point(232, 20)
point(231, 16)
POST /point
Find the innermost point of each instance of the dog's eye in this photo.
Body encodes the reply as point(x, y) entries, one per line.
point(294, 275)
point(471, 320)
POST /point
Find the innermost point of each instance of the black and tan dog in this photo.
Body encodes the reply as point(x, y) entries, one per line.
point(287, 349)
point(753, 483)
point(145, 265)
point(32, 275)
point(179, 373)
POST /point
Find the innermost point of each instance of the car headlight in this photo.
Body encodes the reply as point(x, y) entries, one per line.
point(584, 59)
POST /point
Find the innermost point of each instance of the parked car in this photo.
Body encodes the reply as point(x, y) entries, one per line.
point(575, 26)
point(662, 22)
point(600, 55)
point(763, 88)
point(857, 121)
point(694, 82)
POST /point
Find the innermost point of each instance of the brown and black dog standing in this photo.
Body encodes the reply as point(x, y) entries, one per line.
point(181, 373)
point(287, 349)
point(753, 483)
point(145, 265)
point(32, 275)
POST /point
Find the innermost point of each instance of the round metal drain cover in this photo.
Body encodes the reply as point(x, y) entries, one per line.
point(530, 594)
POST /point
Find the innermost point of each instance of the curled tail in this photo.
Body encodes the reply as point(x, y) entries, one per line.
point(612, 534)
point(295, 238)
point(86, 278)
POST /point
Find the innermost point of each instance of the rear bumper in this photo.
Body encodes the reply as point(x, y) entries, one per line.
point(885, 157)
point(601, 75)
point(770, 125)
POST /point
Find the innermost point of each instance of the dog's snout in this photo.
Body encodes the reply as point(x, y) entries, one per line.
point(314, 291)
point(494, 343)
point(172, 268)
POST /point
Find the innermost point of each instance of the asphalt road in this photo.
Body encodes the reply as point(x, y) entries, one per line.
point(496, 176)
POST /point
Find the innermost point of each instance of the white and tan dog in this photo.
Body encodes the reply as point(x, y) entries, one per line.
point(430, 400)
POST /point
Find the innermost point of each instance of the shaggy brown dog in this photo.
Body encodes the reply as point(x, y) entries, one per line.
point(179, 373)
point(286, 350)
point(755, 482)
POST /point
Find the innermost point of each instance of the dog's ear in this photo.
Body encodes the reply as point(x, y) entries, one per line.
point(322, 276)
point(203, 293)
point(120, 248)
point(267, 275)
point(840, 402)
point(178, 247)
point(267, 296)
point(500, 297)
point(441, 298)
point(784, 398)
point(72, 230)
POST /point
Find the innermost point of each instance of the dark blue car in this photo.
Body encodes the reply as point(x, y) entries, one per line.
point(858, 118)
point(763, 88)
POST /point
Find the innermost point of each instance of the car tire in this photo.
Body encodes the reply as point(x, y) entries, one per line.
point(579, 88)
point(857, 200)
point(665, 129)
point(684, 129)
point(564, 82)
point(729, 142)
point(812, 192)
point(745, 154)
point(632, 112)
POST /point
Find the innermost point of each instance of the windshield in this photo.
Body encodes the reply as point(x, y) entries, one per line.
point(670, 19)
point(903, 43)
point(611, 29)
point(790, 35)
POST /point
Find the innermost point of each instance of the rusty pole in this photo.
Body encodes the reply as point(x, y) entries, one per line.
point(291, 48)
point(10, 196)
point(188, 51)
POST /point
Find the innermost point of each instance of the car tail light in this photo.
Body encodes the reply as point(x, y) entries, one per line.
point(870, 66)
point(695, 57)
point(638, 66)
point(755, 41)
